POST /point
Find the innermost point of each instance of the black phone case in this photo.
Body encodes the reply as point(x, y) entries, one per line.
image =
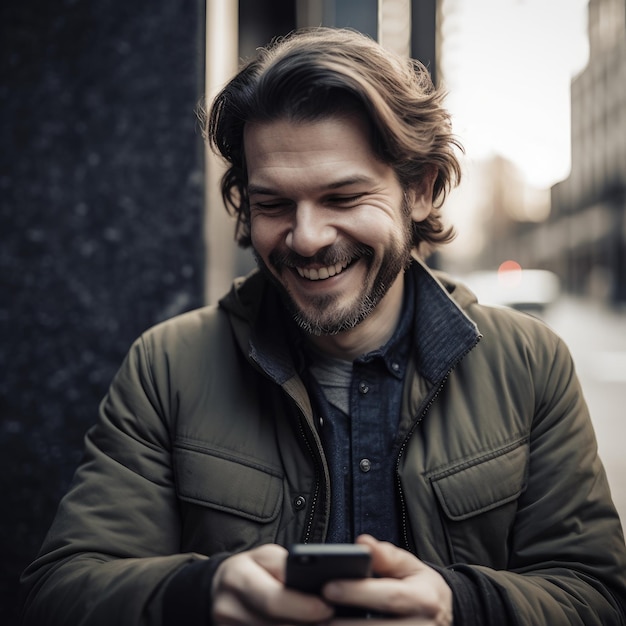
point(311, 566)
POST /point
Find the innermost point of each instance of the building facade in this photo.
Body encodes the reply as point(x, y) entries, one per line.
point(584, 240)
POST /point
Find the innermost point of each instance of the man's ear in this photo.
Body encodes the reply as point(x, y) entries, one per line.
point(420, 195)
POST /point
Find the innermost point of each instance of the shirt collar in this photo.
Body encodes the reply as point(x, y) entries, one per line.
point(395, 352)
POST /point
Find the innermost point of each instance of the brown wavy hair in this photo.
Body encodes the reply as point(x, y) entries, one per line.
point(316, 73)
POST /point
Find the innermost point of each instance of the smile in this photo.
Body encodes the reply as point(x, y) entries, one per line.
point(321, 273)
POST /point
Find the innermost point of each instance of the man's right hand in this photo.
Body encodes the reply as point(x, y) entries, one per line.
point(249, 589)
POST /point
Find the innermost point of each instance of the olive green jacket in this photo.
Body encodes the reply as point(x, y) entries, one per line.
point(207, 444)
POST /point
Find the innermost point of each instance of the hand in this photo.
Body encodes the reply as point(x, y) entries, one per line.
point(248, 589)
point(406, 589)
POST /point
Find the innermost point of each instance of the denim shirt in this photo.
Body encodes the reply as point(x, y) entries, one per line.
point(360, 446)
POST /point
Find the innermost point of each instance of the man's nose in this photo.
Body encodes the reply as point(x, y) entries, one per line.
point(310, 230)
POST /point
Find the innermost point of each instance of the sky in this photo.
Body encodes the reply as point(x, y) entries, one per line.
point(507, 66)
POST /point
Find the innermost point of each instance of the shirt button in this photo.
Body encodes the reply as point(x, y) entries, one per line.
point(395, 366)
point(363, 387)
point(365, 465)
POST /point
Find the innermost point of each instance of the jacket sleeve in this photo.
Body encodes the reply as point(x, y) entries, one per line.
point(115, 541)
point(567, 561)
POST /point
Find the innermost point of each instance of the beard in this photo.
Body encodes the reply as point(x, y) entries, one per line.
point(323, 314)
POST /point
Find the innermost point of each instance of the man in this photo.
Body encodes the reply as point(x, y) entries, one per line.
point(342, 393)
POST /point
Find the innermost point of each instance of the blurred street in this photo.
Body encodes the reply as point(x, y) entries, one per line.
point(597, 339)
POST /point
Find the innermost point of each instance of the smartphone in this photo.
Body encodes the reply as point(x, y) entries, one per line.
point(311, 565)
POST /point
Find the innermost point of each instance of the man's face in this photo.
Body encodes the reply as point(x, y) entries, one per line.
point(329, 221)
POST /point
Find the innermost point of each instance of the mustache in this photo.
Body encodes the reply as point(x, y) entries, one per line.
point(325, 257)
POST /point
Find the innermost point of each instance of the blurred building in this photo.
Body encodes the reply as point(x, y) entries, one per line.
point(496, 213)
point(584, 240)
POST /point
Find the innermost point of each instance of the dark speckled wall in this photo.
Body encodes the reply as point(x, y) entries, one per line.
point(100, 226)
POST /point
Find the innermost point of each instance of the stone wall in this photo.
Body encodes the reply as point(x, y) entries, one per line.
point(100, 226)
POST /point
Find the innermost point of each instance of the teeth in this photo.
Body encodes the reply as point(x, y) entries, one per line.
point(323, 272)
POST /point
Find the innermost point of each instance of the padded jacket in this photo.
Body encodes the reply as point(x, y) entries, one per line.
point(207, 444)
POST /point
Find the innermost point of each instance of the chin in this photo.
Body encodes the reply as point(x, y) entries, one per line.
point(319, 324)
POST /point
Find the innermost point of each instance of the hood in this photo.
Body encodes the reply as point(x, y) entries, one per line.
point(242, 304)
point(462, 295)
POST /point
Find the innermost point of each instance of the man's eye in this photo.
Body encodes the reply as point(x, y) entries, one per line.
point(346, 200)
point(274, 205)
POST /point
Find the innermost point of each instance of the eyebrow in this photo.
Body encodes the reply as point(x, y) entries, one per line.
point(337, 184)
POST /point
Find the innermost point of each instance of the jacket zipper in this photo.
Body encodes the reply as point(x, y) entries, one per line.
point(317, 466)
point(316, 463)
point(307, 530)
point(418, 421)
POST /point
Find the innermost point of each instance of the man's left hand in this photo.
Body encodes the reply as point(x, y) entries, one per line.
point(404, 587)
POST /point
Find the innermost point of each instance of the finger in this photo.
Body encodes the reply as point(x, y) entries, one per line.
point(246, 588)
point(383, 595)
point(269, 596)
point(229, 610)
point(405, 585)
point(412, 620)
point(389, 560)
point(272, 558)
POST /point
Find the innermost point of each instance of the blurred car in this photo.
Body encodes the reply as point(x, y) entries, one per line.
point(529, 290)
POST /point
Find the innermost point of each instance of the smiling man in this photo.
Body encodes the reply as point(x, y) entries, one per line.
point(341, 393)
point(331, 224)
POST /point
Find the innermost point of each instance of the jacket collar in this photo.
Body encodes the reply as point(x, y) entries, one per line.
point(443, 332)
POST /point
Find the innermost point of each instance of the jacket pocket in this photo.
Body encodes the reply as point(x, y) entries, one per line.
point(478, 499)
point(227, 503)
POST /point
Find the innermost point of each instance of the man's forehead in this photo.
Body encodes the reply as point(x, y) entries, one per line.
point(330, 185)
point(329, 133)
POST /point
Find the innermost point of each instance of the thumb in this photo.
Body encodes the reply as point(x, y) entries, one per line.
point(389, 560)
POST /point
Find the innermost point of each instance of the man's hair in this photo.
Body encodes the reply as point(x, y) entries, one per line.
point(316, 73)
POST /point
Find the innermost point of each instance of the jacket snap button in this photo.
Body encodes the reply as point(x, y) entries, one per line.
point(365, 465)
point(363, 387)
point(299, 503)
